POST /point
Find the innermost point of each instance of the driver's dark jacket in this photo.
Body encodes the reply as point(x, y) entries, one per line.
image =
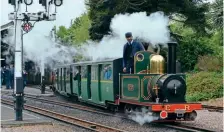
point(129, 52)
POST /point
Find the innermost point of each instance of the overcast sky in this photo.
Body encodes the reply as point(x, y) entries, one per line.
point(69, 10)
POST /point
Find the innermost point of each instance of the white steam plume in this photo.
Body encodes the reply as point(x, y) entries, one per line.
point(9, 39)
point(142, 117)
point(36, 45)
point(39, 47)
point(153, 28)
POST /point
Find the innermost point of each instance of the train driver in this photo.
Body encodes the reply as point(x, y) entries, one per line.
point(129, 50)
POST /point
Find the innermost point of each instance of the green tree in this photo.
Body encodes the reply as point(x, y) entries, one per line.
point(215, 15)
point(62, 33)
point(80, 29)
point(191, 46)
point(78, 33)
point(215, 20)
point(102, 11)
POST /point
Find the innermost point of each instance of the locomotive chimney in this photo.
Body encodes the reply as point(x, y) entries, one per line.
point(171, 66)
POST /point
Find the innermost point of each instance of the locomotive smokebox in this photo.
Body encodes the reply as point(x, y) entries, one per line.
point(171, 67)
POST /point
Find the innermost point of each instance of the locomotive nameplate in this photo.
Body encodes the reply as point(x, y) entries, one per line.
point(167, 107)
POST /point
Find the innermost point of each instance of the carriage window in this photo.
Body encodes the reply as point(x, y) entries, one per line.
point(107, 72)
point(94, 74)
point(57, 72)
point(67, 73)
point(84, 72)
point(74, 70)
point(64, 72)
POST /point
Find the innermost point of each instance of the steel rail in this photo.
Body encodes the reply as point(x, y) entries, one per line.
point(74, 105)
point(187, 128)
point(81, 107)
point(39, 87)
point(68, 119)
point(213, 108)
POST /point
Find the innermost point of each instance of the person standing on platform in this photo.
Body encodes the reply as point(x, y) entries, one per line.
point(1, 75)
point(24, 79)
point(7, 77)
point(12, 76)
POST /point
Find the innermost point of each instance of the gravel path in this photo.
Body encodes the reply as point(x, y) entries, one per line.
point(214, 102)
point(43, 128)
point(206, 119)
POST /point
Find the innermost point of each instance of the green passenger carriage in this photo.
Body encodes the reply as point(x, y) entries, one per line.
point(96, 83)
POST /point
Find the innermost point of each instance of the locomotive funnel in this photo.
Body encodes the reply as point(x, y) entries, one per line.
point(171, 65)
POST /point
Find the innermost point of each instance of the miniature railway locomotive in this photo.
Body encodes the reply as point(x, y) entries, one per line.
point(103, 84)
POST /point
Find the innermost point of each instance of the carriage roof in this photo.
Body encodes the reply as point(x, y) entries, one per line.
point(88, 63)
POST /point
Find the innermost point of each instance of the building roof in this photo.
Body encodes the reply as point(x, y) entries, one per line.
point(7, 26)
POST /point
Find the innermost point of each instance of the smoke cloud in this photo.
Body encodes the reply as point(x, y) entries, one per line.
point(142, 117)
point(153, 29)
point(9, 39)
point(38, 46)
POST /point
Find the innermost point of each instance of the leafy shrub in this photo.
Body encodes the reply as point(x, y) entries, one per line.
point(189, 50)
point(204, 86)
point(209, 63)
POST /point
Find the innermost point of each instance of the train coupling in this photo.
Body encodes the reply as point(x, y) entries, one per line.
point(180, 113)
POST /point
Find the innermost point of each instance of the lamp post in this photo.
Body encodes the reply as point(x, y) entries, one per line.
point(18, 16)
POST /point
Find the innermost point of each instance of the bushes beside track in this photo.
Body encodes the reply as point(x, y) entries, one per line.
point(204, 86)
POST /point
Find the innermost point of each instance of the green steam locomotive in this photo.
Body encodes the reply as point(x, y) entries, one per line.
point(102, 83)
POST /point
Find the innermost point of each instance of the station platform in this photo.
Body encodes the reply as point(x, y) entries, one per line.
point(30, 91)
point(8, 118)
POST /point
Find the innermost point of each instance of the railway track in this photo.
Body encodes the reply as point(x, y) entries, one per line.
point(74, 106)
point(68, 119)
point(213, 108)
point(38, 87)
point(177, 126)
point(187, 128)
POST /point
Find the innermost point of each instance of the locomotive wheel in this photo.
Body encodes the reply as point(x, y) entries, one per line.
point(113, 109)
point(128, 109)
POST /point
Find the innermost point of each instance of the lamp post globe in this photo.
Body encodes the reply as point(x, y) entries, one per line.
point(28, 2)
point(58, 2)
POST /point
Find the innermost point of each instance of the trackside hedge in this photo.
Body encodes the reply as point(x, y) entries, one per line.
point(204, 86)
